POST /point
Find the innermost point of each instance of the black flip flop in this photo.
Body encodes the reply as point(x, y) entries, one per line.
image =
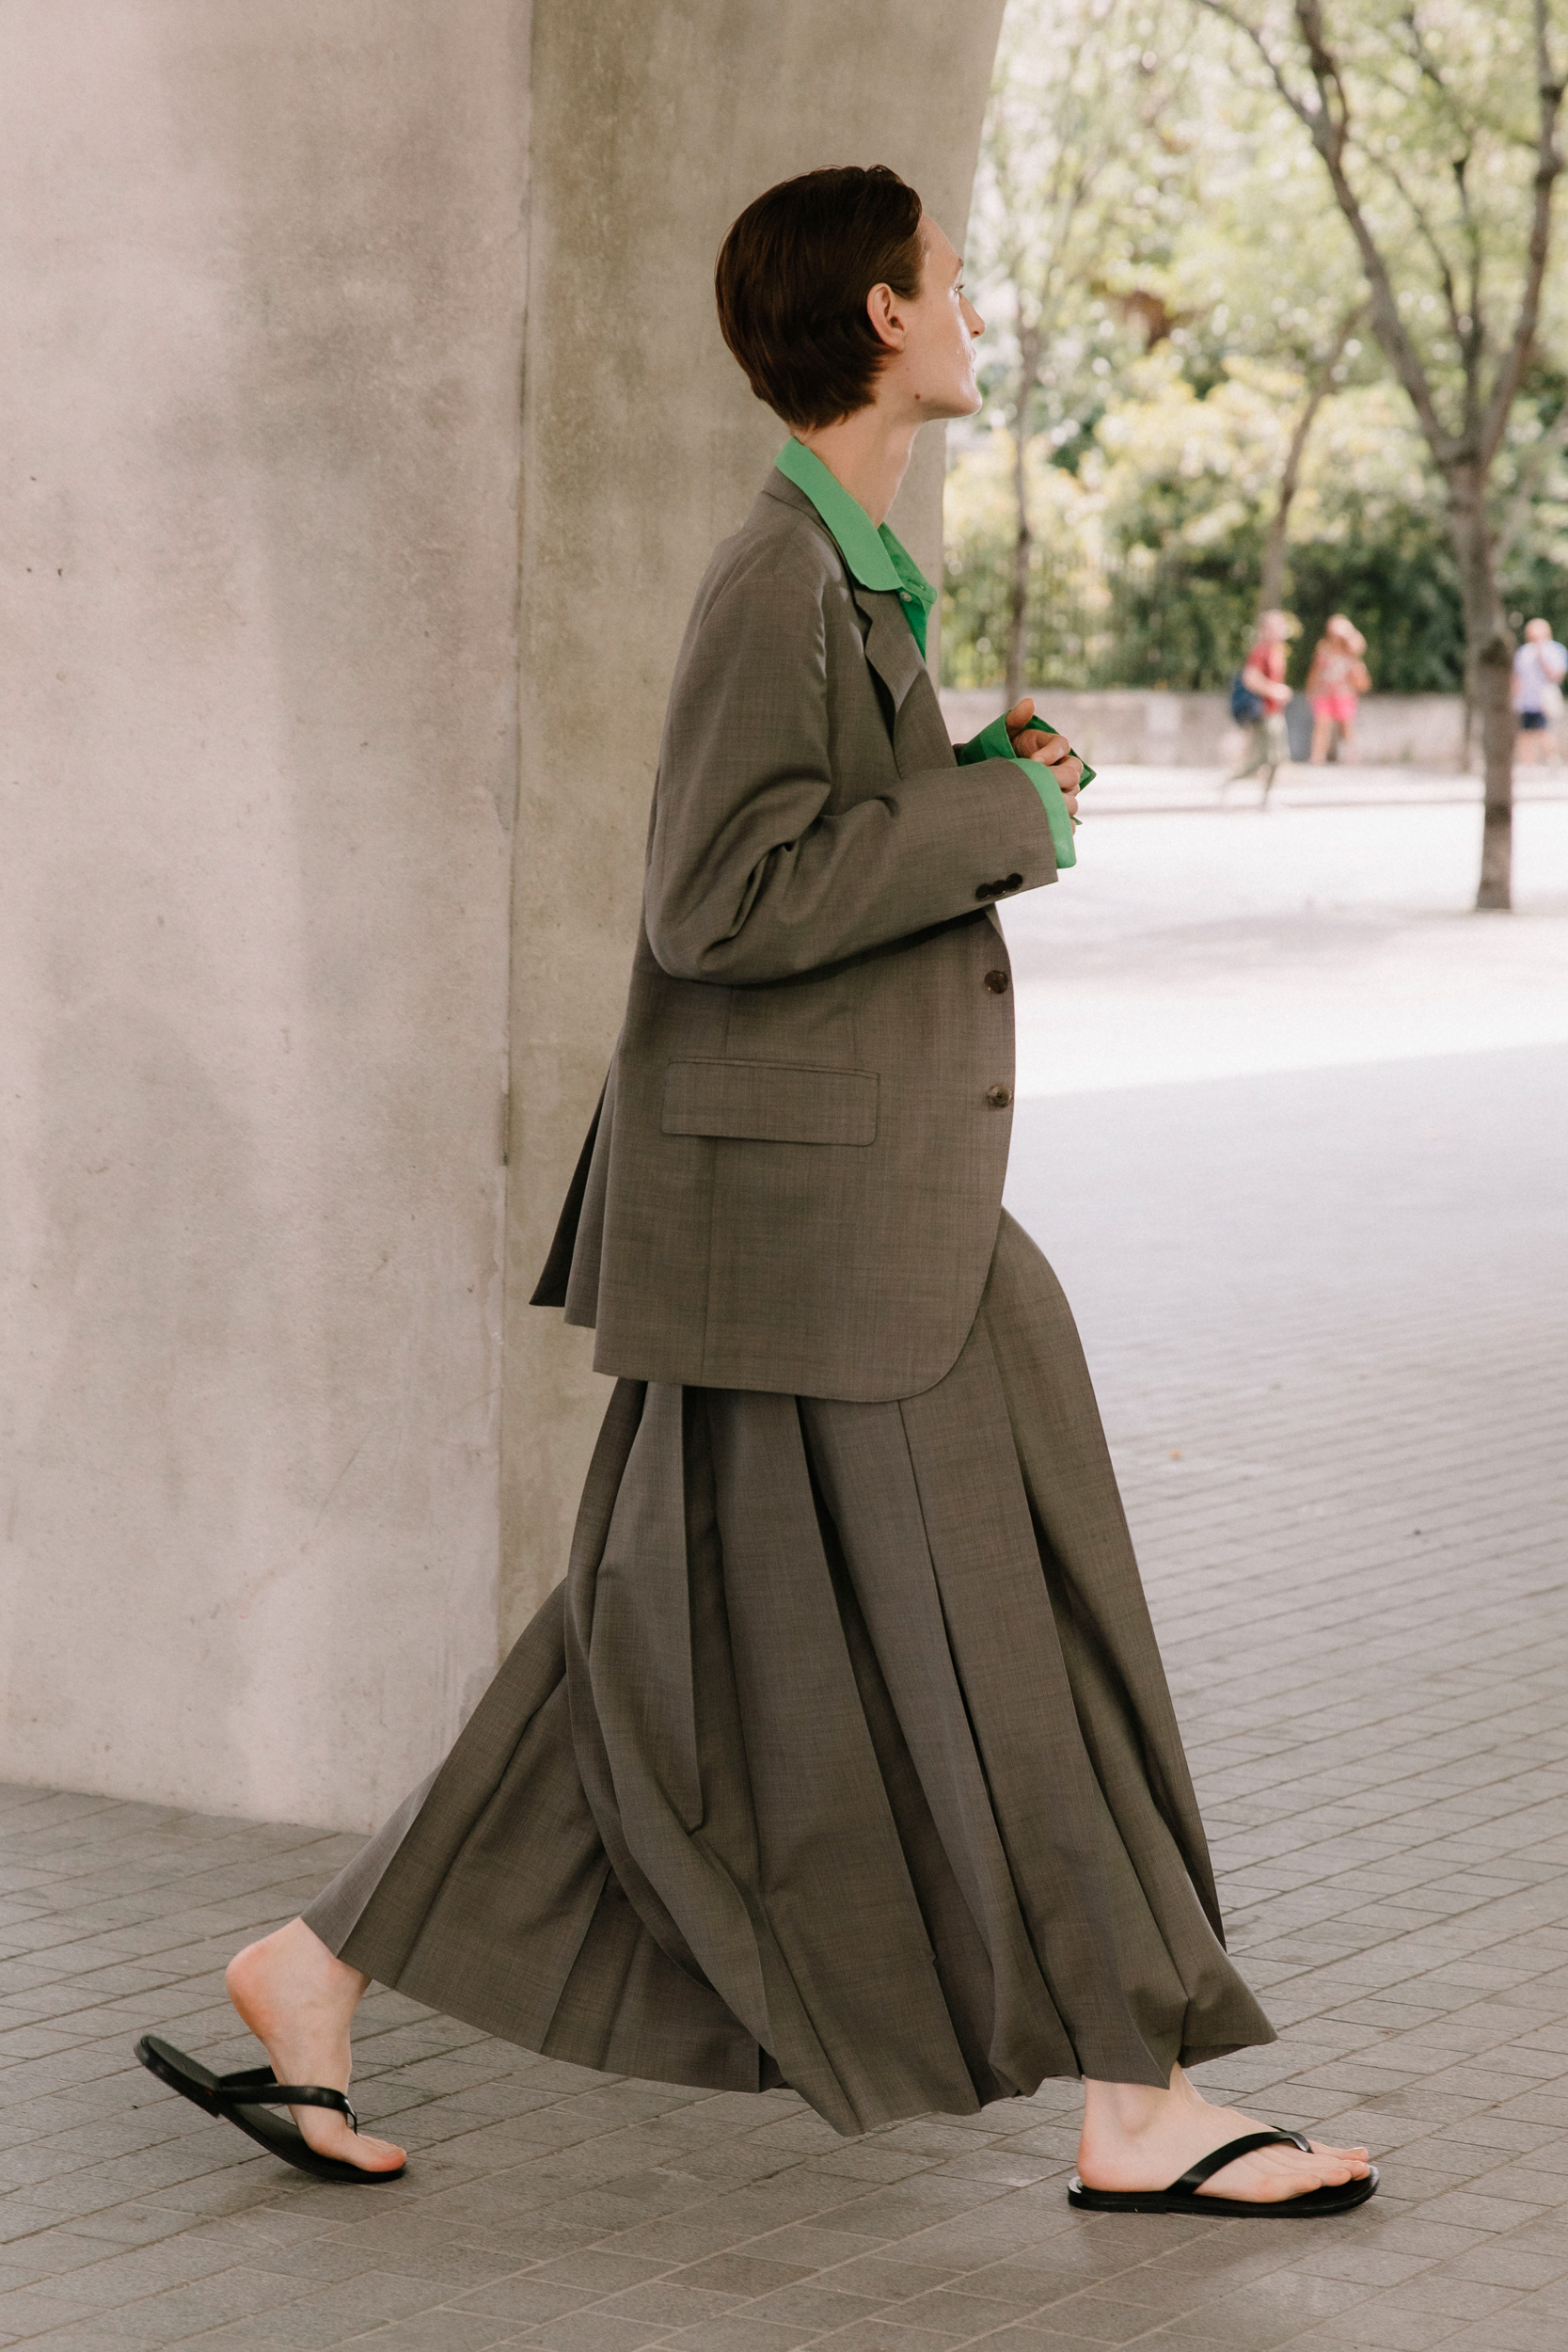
point(1182, 2195)
point(244, 2099)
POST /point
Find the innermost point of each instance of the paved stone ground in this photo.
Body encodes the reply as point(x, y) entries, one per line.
point(1327, 1312)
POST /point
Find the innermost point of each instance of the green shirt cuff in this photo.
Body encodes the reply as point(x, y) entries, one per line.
point(994, 742)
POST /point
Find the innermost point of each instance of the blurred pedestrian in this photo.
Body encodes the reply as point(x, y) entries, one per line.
point(1259, 699)
point(1539, 667)
point(1335, 684)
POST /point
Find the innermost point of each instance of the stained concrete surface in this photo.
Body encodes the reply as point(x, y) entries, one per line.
point(264, 285)
point(1327, 1315)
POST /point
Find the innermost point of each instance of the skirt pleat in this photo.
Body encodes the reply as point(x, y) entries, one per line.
point(843, 1757)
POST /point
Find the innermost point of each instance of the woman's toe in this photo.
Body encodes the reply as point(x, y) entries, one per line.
point(331, 2135)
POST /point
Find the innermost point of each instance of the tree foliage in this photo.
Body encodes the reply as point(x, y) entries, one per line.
point(1187, 295)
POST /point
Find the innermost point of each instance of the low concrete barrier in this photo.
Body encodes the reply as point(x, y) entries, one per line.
point(1129, 726)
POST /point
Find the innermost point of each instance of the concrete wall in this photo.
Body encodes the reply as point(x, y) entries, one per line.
point(643, 446)
point(270, 434)
point(1137, 728)
point(263, 287)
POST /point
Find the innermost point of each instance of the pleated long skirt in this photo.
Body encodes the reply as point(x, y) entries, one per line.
point(842, 1759)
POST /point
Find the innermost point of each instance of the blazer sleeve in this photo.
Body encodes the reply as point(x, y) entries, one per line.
point(751, 878)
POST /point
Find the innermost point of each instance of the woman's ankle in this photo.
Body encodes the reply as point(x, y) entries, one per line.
point(291, 1963)
point(1130, 2110)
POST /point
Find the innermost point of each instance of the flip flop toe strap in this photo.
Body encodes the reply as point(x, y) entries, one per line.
point(1206, 2167)
point(262, 2089)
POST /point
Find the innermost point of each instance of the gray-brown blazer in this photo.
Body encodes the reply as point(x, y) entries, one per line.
point(795, 1177)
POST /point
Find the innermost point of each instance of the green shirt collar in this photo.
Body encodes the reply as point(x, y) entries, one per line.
point(875, 558)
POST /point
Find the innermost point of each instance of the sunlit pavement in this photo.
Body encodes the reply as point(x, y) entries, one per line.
point(1201, 936)
point(1294, 1131)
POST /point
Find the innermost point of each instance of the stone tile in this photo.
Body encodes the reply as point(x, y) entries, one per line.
point(602, 2271)
point(440, 2330)
point(591, 2331)
point(1062, 2331)
point(819, 2307)
point(667, 2303)
point(1501, 2263)
point(742, 2274)
point(889, 2278)
point(1517, 2330)
point(874, 2335)
point(1373, 2328)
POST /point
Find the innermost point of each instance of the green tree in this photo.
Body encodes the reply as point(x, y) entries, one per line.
point(1148, 555)
point(1125, 202)
point(1081, 172)
point(1435, 123)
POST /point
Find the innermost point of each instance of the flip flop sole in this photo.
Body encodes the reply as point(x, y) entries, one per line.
point(279, 2135)
point(177, 2072)
point(1315, 2205)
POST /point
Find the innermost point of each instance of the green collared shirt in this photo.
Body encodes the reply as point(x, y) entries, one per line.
point(879, 561)
point(875, 558)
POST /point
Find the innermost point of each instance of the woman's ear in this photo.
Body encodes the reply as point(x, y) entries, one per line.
point(884, 310)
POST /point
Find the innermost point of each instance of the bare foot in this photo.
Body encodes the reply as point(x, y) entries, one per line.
point(299, 2001)
point(1136, 2137)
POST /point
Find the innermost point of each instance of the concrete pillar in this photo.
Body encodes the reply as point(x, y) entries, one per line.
point(642, 447)
point(263, 287)
point(274, 1487)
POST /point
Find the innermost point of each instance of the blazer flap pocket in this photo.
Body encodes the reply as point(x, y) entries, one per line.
point(769, 1102)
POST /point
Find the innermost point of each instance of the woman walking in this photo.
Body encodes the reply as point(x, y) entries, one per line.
point(1335, 684)
point(842, 1758)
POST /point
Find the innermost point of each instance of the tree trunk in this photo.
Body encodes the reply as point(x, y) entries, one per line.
point(1024, 541)
point(1018, 601)
point(1271, 591)
point(1489, 662)
point(1271, 594)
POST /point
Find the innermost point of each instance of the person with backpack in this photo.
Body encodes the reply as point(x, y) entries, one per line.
point(1259, 698)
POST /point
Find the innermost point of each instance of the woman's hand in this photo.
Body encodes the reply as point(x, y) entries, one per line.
point(1054, 751)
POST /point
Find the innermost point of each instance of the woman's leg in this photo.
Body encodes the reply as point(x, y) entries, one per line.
point(1322, 727)
point(1135, 2138)
point(299, 2001)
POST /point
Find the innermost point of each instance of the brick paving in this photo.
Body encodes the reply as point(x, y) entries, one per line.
point(1327, 1312)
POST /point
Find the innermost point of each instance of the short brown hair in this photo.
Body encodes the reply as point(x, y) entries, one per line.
point(791, 282)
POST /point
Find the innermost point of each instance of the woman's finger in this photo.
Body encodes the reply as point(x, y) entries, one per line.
point(1068, 769)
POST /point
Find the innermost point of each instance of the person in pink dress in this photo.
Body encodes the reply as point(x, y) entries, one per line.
point(1335, 684)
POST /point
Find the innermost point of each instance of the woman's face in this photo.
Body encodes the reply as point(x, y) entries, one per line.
point(933, 336)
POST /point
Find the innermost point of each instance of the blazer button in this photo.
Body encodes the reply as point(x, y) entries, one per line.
point(1014, 881)
point(999, 1097)
point(990, 890)
point(998, 983)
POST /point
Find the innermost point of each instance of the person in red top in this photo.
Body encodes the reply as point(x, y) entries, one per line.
point(1264, 674)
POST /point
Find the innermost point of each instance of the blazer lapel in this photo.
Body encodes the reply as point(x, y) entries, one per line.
point(890, 646)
